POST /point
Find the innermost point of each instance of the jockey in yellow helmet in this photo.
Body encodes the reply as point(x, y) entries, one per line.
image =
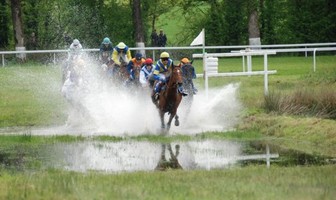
point(162, 69)
point(121, 51)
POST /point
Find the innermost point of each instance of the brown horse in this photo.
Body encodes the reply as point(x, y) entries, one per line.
point(135, 83)
point(170, 98)
point(119, 73)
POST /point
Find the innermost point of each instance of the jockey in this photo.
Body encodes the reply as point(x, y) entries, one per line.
point(121, 51)
point(106, 46)
point(146, 73)
point(188, 72)
point(137, 61)
point(162, 70)
point(75, 50)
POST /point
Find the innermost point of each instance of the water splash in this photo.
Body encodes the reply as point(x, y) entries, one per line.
point(102, 109)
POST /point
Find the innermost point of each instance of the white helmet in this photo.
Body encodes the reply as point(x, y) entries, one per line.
point(76, 42)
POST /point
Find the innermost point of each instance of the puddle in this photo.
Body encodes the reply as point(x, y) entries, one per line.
point(130, 156)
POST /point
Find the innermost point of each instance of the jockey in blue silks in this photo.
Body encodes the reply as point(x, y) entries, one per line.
point(146, 73)
point(162, 70)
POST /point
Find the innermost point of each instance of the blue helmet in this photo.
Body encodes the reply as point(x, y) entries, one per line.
point(106, 40)
point(138, 56)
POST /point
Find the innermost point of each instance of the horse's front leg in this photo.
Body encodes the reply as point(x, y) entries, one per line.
point(162, 119)
point(170, 120)
point(177, 122)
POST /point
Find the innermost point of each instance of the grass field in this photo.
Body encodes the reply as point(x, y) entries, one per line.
point(247, 183)
point(29, 97)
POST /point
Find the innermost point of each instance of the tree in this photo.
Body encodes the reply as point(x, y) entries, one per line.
point(4, 24)
point(137, 22)
point(17, 23)
point(253, 21)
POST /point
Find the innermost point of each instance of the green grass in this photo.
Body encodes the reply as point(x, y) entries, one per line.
point(252, 182)
point(30, 96)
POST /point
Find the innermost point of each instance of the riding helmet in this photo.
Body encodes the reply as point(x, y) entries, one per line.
point(121, 45)
point(148, 61)
point(164, 55)
point(138, 56)
point(185, 60)
point(106, 40)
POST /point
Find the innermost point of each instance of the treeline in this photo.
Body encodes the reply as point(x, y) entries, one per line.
point(51, 24)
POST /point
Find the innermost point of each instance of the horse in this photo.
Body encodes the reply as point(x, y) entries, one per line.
point(119, 73)
point(135, 83)
point(106, 64)
point(170, 98)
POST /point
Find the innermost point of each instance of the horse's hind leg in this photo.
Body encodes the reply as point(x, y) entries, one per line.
point(177, 122)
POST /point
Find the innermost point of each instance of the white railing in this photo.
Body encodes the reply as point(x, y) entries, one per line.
point(279, 48)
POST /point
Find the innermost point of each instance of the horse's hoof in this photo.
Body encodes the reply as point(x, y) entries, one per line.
point(177, 122)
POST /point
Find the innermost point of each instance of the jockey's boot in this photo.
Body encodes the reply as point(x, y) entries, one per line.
point(155, 96)
point(181, 90)
point(157, 90)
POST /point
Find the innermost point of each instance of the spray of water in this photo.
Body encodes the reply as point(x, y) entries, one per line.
point(100, 108)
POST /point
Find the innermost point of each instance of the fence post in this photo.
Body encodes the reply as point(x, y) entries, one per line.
point(268, 156)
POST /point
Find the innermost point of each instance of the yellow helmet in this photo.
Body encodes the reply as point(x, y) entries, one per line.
point(121, 45)
point(164, 55)
point(185, 60)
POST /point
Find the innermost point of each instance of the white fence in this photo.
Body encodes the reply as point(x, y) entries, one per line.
point(280, 48)
point(209, 60)
point(209, 66)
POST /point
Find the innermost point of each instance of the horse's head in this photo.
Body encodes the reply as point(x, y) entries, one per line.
point(176, 75)
point(137, 70)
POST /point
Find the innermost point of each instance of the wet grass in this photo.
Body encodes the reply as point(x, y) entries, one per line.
point(252, 182)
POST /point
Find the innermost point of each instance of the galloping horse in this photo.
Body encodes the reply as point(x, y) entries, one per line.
point(170, 98)
point(120, 74)
point(135, 83)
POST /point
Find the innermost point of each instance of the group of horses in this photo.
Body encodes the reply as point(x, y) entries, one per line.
point(169, 98)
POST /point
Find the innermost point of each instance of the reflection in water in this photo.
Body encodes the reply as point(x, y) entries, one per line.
point(129, 156)
point(172, 162)
point(141, 156)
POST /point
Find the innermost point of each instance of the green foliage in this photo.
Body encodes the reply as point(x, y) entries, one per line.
point(4, 24)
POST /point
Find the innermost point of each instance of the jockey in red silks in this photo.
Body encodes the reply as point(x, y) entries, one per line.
point(162, 70)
